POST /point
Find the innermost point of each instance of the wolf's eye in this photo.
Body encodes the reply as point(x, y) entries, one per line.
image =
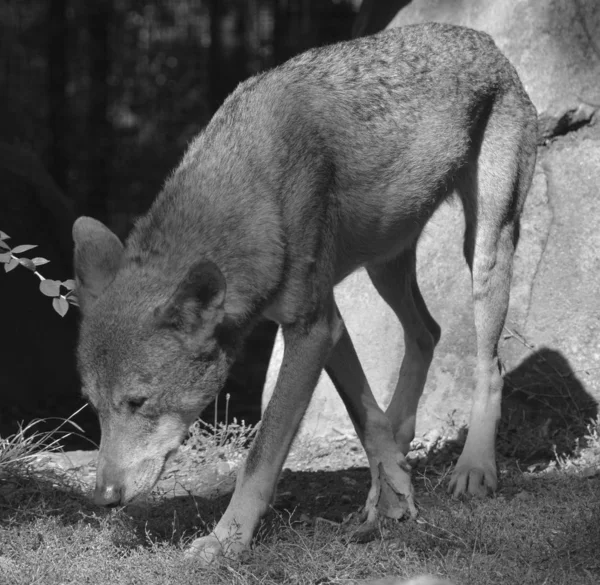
point(135, 403)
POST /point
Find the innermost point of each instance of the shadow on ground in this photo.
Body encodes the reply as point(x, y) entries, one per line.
point(545, 408)
point(545, 412)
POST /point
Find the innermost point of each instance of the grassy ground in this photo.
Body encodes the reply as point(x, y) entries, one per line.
point(541, 528)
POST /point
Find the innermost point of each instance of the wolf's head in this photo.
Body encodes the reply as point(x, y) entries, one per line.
point(152, 355)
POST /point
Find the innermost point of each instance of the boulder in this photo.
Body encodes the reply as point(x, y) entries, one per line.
point(551, 346)
point(559, 313)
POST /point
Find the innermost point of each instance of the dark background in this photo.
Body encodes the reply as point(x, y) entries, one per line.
point(110, 92)
point(106, 95)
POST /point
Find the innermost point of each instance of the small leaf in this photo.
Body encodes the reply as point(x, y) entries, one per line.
point(69, 284)
point(11, 264)
point(72, 298)
point(4, 258)
point(23, 248)
point(27, 263)
point(40, 261)
point(4, 236)
point(51, 288)
point(4, 245)
point(60, 306)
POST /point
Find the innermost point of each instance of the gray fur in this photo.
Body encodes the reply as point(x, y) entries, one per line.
point(332, 161)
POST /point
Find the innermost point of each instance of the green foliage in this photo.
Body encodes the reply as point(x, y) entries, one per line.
point(61, 292)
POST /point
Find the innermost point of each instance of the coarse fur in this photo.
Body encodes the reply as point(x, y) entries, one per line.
point(333, 161)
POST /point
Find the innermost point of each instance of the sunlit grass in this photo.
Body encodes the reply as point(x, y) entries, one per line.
point(19, 450)
point(541, 528)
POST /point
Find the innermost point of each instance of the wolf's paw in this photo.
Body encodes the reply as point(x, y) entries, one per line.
point(474, 477)
point(396, 499)
point(208, 550)
point(391, 494)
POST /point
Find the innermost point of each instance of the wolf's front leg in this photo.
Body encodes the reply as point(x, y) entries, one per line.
point(391, 493)
point(305, 352)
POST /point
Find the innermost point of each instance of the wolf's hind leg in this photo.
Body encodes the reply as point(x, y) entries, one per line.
point(493, 194)
point(391, 491)
point(475, 472)
point(396, 282)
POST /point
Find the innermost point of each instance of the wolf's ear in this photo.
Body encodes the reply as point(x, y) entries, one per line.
point(197, 305)
point(97, 257)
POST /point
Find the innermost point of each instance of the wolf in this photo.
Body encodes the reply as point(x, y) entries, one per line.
point(334, 160)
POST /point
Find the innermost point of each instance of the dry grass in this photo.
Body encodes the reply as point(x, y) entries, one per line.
point(542, 528)
point(18, 451)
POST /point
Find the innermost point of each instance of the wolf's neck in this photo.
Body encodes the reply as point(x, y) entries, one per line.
point(219, 211)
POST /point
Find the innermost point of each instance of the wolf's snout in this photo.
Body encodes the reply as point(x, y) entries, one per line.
point(107, 495)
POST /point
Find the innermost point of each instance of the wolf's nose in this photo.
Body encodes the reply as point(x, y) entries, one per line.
point(108, 496)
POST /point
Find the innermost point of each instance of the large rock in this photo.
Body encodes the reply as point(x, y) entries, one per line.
point(562, 314)
point(551, 346)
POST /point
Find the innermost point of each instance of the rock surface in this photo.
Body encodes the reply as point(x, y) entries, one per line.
point(563, 312)
point(551, 347)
